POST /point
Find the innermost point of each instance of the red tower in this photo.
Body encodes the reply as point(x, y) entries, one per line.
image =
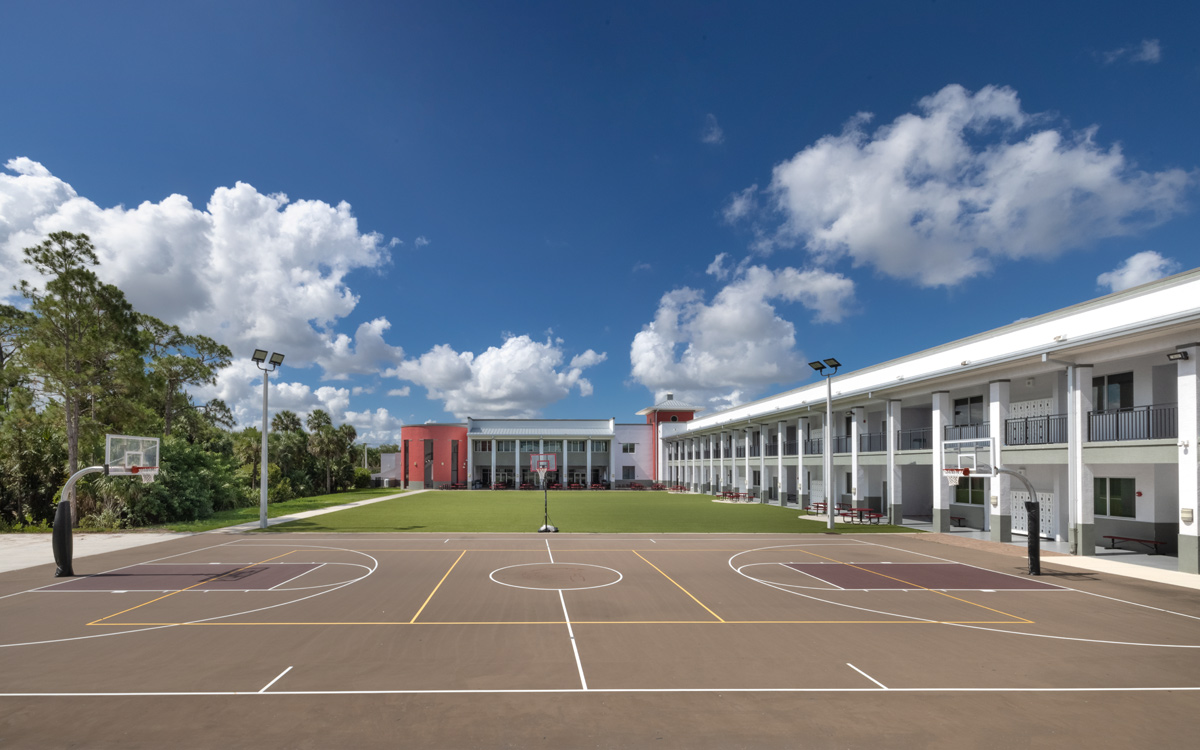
point(667, 410)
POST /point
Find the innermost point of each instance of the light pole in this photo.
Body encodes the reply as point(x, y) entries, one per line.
point(276, 359)
point(827, 440)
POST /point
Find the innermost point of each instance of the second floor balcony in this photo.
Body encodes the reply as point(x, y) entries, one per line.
point(1155, 422)
point(1045, 430)
point(968, 431)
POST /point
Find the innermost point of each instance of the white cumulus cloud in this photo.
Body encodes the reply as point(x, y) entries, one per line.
point(712, 134)
point(516, 379)
point(714, 353)
point(1138, 269)
point(942, 195)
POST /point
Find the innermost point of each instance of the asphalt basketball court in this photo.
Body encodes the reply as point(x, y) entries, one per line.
point(589, 640)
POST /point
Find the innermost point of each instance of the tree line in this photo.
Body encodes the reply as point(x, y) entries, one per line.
point(78, 362)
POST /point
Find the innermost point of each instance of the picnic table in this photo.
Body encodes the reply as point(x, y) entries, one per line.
point(458, 485)
point(863, 515)
point(637, 486)
point(598, 486)
point(575, 486)
point(499, 486)
point(526, 486)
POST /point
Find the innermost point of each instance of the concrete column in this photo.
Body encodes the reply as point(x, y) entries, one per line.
point(470, 461)
point(746, 435)
point(493, 442)
point(1000, 486)
point(802, 480)
point(858, 423)
point(517, 462)
point(587, 446)
point(895, 496)
point(762, 463)
point(1188, 394)
point(1082, 519)
point(943, 414)
point(780, 485)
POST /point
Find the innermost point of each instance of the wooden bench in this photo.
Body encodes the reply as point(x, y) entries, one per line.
point(1152, 544)
point(958, 520)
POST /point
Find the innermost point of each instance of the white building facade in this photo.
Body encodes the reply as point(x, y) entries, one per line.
point(1096, 404)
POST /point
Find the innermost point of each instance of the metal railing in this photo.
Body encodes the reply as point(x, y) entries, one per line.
point(812, 446)
point(791, 448)
point(1138, 423)
point(739, 451)
point(772, 449)
point(754, 451)
point(872, 442)
point(1036, 430)
point(968, 431)
point(842, 443)
point(915, 440)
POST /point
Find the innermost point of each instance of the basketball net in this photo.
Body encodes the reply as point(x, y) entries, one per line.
point(541, 470)
point(953, 475)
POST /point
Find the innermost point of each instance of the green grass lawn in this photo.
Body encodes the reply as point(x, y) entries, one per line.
point(591, 512)
point(233, 517)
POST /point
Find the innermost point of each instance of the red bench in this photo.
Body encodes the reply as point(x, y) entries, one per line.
point(1152, 544)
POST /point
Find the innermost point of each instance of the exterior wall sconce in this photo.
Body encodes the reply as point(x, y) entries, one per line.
point(1177, 356)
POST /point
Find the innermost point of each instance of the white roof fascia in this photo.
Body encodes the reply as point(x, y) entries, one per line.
point(1148, 307)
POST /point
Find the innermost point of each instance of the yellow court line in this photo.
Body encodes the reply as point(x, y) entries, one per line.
point(435, 588)
point(917, 585)
point(681, 588)
point(180, 591)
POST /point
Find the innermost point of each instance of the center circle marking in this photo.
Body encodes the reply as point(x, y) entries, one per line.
point(556, 576)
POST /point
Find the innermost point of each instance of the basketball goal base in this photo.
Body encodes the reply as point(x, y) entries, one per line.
point(548, 529)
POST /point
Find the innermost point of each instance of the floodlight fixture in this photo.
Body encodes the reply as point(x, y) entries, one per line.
point(818, 366)
point(833, 363)
point(277, 359)
point(1177, 356)
point(259, 356)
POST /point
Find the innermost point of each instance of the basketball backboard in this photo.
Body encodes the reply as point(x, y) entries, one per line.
point(975, 454)
point(130, 455)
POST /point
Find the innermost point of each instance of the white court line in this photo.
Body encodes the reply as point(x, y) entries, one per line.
point(869, 677)
point(549, 552)
point(272, 682)
point(296, 579)
point(574, 647)
point(530, 691)
point(218, 617)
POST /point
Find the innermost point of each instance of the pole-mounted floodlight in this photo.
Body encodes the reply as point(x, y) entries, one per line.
point(276, 359)
point(827, 441)
point(1177, 356)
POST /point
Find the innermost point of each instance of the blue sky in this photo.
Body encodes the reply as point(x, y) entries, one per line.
point(565, 209)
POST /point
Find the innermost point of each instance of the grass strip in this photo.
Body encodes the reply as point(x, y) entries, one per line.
point(599, 512)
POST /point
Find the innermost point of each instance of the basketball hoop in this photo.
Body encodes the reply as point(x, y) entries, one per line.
point(543, 463)
point(953, 475)
point(145, 473)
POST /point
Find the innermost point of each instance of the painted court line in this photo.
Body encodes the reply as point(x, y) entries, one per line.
point(574, 646)
point(296, 578)
point(272, 682)
point(869, 677)
point(534, 691)
point(435, 588)
point(681, 588)
point(548, 552)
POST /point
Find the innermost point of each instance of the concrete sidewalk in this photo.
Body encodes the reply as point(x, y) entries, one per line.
point(20, 551)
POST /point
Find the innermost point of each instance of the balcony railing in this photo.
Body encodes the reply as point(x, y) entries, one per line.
point(1139, 423)
point(915, 440)
point(1036, 430)
point(968, 431)
point(754, 451)
point(872, 441)
point(739, 451)
point(812, 446)
point(772, 449)
point(842, 443)
point(791, 448)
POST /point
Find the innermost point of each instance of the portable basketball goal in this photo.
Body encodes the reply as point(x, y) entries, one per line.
point(124, 455)
point(543, 464)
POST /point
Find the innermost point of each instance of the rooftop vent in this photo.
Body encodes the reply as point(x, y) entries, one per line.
point(670, 396)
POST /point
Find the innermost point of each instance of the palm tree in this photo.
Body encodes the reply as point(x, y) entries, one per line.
point(326, 444)
point(286, 421)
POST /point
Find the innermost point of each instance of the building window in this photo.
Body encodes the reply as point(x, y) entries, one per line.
point(1115, 497)
point(599, 446)
point(553, 446)
point(577, 446)
point(969, 491)
point(968, 411)
point(531, 446)
point(757, 478)
point(628, 472)
point(483, 446)
point(629, 447)
point(1112, 392)
point(505, 446)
